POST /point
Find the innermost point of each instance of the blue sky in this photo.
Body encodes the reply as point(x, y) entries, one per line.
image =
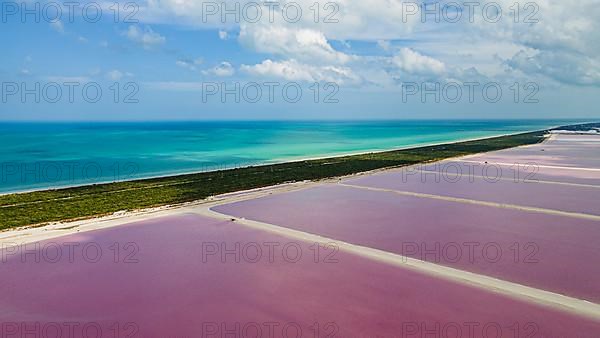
point(365, 60)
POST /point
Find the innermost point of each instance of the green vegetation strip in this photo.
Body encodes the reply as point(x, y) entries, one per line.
point(41, 207)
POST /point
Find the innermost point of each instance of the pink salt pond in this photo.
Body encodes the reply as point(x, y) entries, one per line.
point(550, 252)
point(524, 173)
point(167, 278)
point(576, 151)
point(522, 192)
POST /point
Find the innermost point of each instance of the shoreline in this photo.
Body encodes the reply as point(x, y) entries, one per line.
point(35, 233)
point(282, 161)
point(87, 204)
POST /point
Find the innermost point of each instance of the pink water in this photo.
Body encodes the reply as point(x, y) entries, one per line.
point(172, 292)
point(565, 198)
point(545, 251)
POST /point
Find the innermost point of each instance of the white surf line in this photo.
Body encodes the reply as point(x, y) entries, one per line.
point(537, 165)
point(528, 181)
point(516, 291)
point(478, 202)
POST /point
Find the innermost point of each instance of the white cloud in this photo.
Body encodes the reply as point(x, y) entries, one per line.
point(58, 26)
point(413, 62)
point(562, 67)
point(566, 35)
point(147, 37)
point(340, 20)
point(562, 44)
point(560, 25)
point(189, 64)
point(384, 44)
point(190, 13)
point(288, 70)
point(223, 35)
point(303, 44)
point(223, 69)
point(114, 75)
point(185, 64)
point(292, 70)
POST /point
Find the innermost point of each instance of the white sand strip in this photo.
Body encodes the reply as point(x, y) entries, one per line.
point(510, 289)
point(523, 181)
point(537, 165)
point(477, 202)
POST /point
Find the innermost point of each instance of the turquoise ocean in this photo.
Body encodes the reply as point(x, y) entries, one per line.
point(46, 155)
